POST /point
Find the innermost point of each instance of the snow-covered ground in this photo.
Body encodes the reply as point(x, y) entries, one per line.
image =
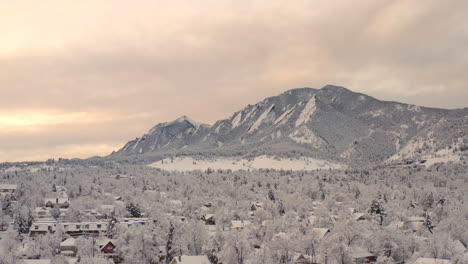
point(443, 155)
point(260, 162)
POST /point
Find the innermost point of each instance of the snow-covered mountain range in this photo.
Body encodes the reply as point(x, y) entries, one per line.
point(332, 124)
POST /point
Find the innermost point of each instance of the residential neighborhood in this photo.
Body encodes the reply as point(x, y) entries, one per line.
point(77, 214)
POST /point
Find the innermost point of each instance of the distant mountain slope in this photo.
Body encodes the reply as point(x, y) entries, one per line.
point(331, 123)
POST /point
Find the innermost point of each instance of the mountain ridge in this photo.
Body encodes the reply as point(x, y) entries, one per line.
point(332, 123)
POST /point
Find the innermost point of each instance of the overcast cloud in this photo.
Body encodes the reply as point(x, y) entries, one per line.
point(80, 78)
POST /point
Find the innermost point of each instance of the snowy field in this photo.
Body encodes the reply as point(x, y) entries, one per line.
point(261, 162)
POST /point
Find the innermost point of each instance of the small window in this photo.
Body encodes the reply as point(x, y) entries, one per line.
point(86, 227)
point(65, 226)
point(78, 226)
point(36, 227)
point(99, 226)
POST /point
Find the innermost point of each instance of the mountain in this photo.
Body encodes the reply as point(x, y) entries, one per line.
point(331, 123)
point(176, 134)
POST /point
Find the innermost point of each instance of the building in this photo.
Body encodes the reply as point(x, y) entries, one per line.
point(44, 213)
point(7, 189)
point(107, 248)
point(129, 222)
point(35, 261)
point(320, 233)
point(358, 216)
point(302, 259)
point(256, 205)
point(57, 200)
point(415, 223)
point(190, 260)
point(432, 261)
point(73, 229)
point(362, 256)
point(94, 214)
point(209, 219)
point(239, 224)
point(68, 247)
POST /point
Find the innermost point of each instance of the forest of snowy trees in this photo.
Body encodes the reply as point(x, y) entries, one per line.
point(379, 215)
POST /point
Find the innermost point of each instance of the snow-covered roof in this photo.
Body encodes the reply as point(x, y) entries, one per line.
point(358, 216)
point(72, 260)
point(191, 260)
point(104, 241)
point(320, 232)
point(67, 253)
point(358, 252)
point(176, 202)
point(416, 219)
point(458, 246)
point(69, 242)
point(208, 216)
point(107, 207)
point(396, 225)
point(36, 261)
point(239, 223)
point(4, 186)
point(431, 261)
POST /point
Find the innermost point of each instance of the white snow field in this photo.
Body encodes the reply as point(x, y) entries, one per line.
point(260, 162)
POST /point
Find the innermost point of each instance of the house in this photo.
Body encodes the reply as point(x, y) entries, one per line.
point(74, 229)
point(190, 260)
point(432, 261)
point(458, 246)
point(320, 233)
point(57, 200)
point(256, 205)
point(358, 216)
point(68, 247)
point(42, 227)
point(7, 189)
point(239, 224)
point(176, 203)
point(107, 247)
point(44, 213)
point(362, 256)
point(396, 225)
point(106, 208)
point(415, 223)
point(35, 261)
point(302, 259)
point(211, 230)
point(94, 214)
point(162, 252)
point(129, 222)
point(95, 260)
point(209, 219)
point(312, 219)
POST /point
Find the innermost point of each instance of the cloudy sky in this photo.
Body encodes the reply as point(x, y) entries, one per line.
point(80, 78)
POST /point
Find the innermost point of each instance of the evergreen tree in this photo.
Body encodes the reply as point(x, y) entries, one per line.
point(170, 251)
point(428, 222)
point(134, 210)
point(271, 196)
point(377, 208)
